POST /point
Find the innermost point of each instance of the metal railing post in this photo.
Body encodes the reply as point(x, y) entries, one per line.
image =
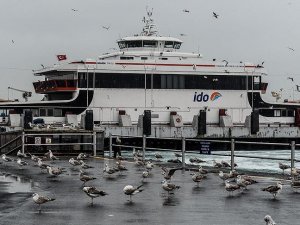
point(232, 154)
point(183, 152)
point(110, 145)
point(23, 142)
point(95, 143)
point(292, 154)
point(144, 146)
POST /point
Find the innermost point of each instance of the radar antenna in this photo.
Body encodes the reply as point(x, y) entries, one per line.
point(149, 28)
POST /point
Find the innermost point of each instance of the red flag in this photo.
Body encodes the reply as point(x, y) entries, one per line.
point(61, 57)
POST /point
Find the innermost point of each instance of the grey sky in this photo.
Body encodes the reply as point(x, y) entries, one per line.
point(248, 31)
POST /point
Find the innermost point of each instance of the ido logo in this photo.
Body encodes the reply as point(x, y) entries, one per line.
point(202, 97)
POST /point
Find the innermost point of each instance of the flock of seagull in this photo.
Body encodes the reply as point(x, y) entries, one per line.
point(233, 180)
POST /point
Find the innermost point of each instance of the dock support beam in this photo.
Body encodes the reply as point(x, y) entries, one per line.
point(95, 143)
point(23, 142)
point(110, 145)
point(183, 153)
point(144, 146)
point(292, 154)
point(232, 154)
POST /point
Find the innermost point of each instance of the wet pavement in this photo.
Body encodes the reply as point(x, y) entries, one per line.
point(208, 204)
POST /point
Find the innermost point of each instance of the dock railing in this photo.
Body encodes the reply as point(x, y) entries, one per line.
point(292, 146)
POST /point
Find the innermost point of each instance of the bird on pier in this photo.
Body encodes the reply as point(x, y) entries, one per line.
point(52, 156)
point(84, 165)
point(273, 189)
point(145, 174)
point(249, 179)
point(74, 162)
point(82, 156)
point(6, 158)
point(120, 166)
point(131, 190)
point(39, 199)
point(197, 178)
point(283, 166)
point(108, 170)
point(216, 164)
point(42, 165)
point(295, 172)
point(225, 164)
point(157, 155)
point(202, 171)
point(85, 178)
point(21, 162)
point(196, 160)
point(269, 221)
point(34, 158)
point(54, 171)
point(225, 176)
point(93, 192)
point(242, 183)
point(167, 186)
point(168, 173)
point(149, 165)
point(231, 187)
point(21, 155)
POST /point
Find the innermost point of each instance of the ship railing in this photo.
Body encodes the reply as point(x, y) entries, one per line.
point(292, 146)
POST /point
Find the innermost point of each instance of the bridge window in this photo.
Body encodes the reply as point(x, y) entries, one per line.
point(126, 58)
point(122, 44)
point(150, 44)
point(177, 45)
point(169, 44)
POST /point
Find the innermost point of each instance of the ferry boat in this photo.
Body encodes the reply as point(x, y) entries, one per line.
point(149, 72)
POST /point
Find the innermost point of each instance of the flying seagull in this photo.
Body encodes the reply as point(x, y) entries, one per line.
point(93, 192)
point(269, 221)
point(106, 27)
point(215, 15)
point(39, 199)
point(12, 41)
point(290, 78)
point(273, 189)
point(225, 62)
point(291, 49)
point(168, 173)
point(186, 10)
point(131, 190)
point(75, 10)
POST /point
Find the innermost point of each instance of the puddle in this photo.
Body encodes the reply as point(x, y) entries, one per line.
point(10, 183)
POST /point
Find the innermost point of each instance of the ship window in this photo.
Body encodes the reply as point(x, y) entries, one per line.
point(163, 58)
point(149, 44)
point(126, 58)
point(144, 58)
point(134, 44)
point(122, 44)
point(49, 112)
point(277, 113)
point(290, 113)
point(169, 44)
point(177, 45)
point(57, 112)
point(42, 112)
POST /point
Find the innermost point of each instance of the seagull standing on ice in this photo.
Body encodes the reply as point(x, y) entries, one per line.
point(74, 162)
point(273, 189)
point(168, 173)
point(131, 190)
point(6, 158)
point(269, 221)
point(93, 192)
point(85, 178)
point(52, 156)
point(21, 162)
point(167, 186)
point(39, 199)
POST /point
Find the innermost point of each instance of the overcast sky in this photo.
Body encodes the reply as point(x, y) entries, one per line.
point(248, 31)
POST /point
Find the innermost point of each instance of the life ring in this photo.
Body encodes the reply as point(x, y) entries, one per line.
point(178, 120)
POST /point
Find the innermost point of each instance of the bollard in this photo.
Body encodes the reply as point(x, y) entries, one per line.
point(183, 153)
point(94, 143)
point(110, 145)
point(232, 154)
point(144, 146)
point(292, 155)
point(23, 142)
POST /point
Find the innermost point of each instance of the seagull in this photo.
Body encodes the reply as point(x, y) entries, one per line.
point(269, 221)
point(167, 186)
point(21, 162)
point(6, 158)
point(168, 173)
point(74, 162)
point(138, 162)
point(291, 78)
point(39, 199)
point(85, 178)
point(42, 165)
point(42, 66)
point(82, 156)
point(197, 177)
point(75, 10)
point(84, 165)
point(241, 182)
point(196, 160)
point(21, 155)
point(298, 87)
point(186, 10)
point(51, 156)
point(202, 171)
point(295, 172)
point(215, 15)
point(225, 62)
point(145, 174)
point(291, 49)
point(34, 158)
point(93, 192)
point(149, 165)
point(249, 179)
point(216, 164)
point(273, 189)
point(177, 155)
point(106, 27)
point(108, 170)
point(182, 35)
point(157, 155)
point(283, 167)
point(12, 41)
point(231, 187)
point(225, 164)
point(224, 176)
point(54, 171)
point(130, 190)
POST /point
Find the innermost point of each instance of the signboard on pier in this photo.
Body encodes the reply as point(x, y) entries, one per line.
point(38, 140)
point(205, 147)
